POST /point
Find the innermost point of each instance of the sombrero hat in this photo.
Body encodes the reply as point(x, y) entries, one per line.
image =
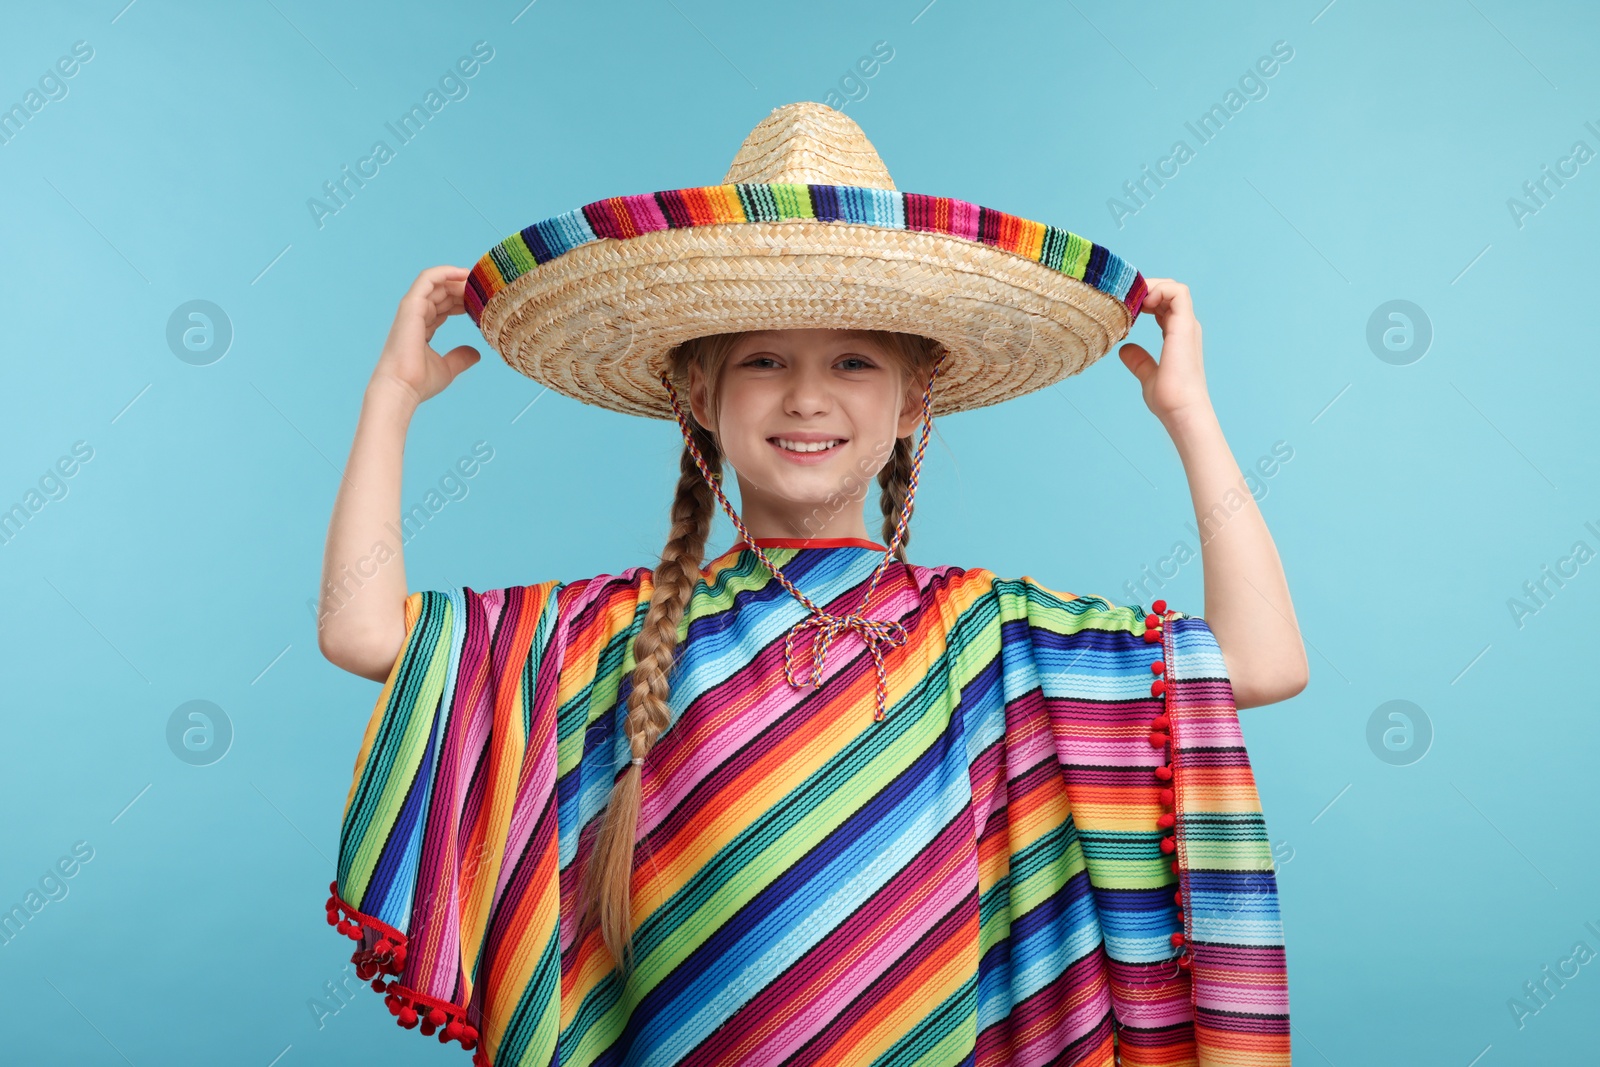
point(807, 230)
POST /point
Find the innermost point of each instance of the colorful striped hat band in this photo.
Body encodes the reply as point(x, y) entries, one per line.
point(877, 633)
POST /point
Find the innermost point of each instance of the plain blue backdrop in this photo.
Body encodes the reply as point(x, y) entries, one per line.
point(1430, 866)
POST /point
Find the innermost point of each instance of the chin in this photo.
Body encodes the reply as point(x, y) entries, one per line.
point(807, 487)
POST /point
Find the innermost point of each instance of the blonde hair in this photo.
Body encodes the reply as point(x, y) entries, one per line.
point(607, 876)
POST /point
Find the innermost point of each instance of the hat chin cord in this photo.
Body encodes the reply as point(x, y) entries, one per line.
point(878, 634)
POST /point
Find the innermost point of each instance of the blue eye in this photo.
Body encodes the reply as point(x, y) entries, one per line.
point(864, 364)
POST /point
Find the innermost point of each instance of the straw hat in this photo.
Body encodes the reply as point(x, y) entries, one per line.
point(806, 231)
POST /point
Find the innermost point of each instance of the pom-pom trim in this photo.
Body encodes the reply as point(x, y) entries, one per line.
point(1161, 736)
point(411, 1008)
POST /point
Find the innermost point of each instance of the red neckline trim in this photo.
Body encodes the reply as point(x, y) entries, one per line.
point(813, 542)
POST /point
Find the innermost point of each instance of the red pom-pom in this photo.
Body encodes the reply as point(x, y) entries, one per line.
point(1167, 844)
point(333, 918)
point(1158, 667)
point(1157, 739)
point(379, 985)
point(469, 1044)
point(394, 1003)
point(469, 1032)
point(1158, 687)
point(1152, 636)
point(366, 970)
point(1166, 820)
point(383, 948)
point(1160, 722)
point(437, 1016)
point(452, 1030)
point(1183, 961)
point(428, 1028)
point(1166, 797)
point(1177, 898)
point(1152, 620)
point(333, 887)
point(408, 1017)
point(1159, 607)
point(355, 932)
point(1174, 866)
point(1177, 939)
point(1164, 772)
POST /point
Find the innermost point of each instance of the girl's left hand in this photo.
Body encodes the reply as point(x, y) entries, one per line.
point(1174, 388)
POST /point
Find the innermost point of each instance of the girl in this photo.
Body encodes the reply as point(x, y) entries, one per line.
point(805, 801)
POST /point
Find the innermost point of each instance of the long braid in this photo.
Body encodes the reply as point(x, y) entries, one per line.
point(895, 478)
point(917, 354)
point(609, 872)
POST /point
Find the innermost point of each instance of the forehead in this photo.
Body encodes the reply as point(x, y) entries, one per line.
point(808, 338)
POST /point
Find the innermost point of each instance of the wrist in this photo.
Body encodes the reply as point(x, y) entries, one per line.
point(390, 397)
point(1186, 422)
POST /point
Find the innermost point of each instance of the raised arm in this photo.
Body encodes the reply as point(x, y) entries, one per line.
point(1247, 601)
point(361, 609)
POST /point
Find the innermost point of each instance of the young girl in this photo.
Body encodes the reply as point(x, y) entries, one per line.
point(805, 801)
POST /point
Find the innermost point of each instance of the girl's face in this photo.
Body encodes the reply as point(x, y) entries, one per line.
point(807, 418)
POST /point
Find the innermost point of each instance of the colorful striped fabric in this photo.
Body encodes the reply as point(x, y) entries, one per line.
point(621, 217)
point(980, 879)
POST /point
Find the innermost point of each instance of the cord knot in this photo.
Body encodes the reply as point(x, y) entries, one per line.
point(878, 634)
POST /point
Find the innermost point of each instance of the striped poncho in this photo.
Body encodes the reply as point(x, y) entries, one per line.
point(1050, 851)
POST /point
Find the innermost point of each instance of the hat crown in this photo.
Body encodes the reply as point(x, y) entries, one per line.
point(808, 144)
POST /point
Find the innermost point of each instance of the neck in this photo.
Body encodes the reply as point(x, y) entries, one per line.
point(765, 518)
point(815, 542)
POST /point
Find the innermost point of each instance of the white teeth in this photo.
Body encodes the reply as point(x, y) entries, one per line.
point(806, 446)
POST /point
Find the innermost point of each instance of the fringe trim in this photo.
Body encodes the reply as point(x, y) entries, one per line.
point(387, 956)
point(1161, 737)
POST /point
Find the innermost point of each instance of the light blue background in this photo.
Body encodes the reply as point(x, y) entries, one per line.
point(1417, 899)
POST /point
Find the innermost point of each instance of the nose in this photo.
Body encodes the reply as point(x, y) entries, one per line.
point(806, 391)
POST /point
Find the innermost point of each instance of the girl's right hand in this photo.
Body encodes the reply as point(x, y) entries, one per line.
point(408, 360)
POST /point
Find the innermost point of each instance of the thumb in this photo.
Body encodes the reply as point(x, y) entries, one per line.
point(460, 358)
point(1137, 360)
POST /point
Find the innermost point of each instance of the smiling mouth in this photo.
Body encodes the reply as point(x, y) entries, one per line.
point(805, 447)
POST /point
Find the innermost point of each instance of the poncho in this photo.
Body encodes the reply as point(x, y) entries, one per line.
point(1050, 850)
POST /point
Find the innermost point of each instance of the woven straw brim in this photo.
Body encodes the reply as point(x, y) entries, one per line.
point(595, 320)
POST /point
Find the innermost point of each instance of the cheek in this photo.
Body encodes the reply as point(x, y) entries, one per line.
point(879, 418)
point(740, 422)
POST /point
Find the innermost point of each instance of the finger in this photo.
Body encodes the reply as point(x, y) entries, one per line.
point(1165, 296)
point(456, 298)
point(1156, 298)
point(449, 296)
point(428, 278)
point(1137, 360)
point(446, 299)
point(1170, 304)
point(443, 272)
point(460, 358)
point(434, 283)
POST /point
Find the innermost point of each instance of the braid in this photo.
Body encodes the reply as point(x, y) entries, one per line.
point(895, 478)
point(916, 354)
point(609, 872)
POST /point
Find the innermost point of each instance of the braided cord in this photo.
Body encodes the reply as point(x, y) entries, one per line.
point(877, 633)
